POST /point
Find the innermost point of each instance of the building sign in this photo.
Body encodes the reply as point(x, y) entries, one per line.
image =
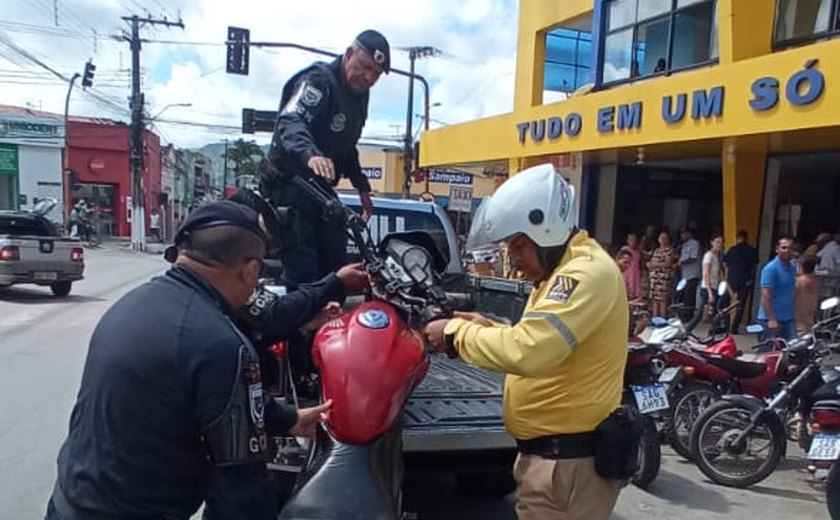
point(450, 177)
point(460, 199)
point(372, 173)
point(36, 130)
point(8, 158)
point(804, 87)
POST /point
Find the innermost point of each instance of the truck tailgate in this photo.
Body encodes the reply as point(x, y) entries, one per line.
point(456, 407)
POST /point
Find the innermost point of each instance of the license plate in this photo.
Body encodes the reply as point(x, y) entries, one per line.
point(825, 447)
point(651, 398)
point(46, 276)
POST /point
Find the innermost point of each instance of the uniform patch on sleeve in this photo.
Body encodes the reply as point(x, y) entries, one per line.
point(562, 289)
point(311, 96)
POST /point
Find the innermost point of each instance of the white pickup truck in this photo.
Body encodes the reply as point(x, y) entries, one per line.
point(32, 251)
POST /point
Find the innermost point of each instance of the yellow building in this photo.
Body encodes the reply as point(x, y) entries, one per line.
point(724, 114)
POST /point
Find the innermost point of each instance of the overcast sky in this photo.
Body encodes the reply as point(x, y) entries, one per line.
point(474, 78)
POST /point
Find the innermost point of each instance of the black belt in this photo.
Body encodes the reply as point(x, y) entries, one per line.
point(561, 446)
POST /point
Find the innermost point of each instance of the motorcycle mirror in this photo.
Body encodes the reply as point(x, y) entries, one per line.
point(829, 303)
point(681, 284)
point(722, 287)
point(755, 328)
point(658, 321)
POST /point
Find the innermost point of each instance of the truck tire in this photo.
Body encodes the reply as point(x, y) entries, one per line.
point(61, 289)
point(493, 484)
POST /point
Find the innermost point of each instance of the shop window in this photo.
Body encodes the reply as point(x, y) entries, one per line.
point(804, 20)
point(568, 60)
point(648, 37)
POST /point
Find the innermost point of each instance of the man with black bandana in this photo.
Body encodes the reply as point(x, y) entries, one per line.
point(171, 411)
point(323, 109)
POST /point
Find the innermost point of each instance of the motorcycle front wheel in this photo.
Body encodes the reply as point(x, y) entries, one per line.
point(650, 455)
point(687, 404)
point(725, 460)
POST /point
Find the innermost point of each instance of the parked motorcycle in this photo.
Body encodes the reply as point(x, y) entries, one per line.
point(647, 387)
point(701, 385)
point(369, 360)
point(740, 440)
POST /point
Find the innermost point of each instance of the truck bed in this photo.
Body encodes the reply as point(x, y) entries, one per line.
point(456, 407)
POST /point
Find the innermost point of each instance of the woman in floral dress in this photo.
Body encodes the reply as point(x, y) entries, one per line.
point(661, 268)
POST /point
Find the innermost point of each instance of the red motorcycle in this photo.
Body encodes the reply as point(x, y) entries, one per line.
point(369, 360)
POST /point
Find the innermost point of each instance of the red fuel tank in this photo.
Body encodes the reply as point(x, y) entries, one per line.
point(369, 361)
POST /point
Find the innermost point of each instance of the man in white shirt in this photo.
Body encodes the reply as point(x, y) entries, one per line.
point(690, 271)
point(830, 254)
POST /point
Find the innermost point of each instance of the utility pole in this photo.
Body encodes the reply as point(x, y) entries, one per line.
point(138, 216)
point(224, 178)
point(408, 150)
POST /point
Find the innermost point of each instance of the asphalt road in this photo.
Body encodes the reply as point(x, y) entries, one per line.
point(43, 342)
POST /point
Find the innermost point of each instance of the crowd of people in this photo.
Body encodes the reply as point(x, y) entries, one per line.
point(654, 265)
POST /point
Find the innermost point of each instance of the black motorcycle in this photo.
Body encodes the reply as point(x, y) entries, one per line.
point(740, 440)
point(647, 387)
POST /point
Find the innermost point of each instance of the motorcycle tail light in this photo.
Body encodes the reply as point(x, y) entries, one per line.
point(10, 254)
point(825, 418)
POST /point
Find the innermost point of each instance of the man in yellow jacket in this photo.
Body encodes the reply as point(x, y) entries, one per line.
point(564, 359)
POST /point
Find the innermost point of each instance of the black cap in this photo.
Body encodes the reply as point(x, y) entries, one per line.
point(373, 43)
point(212, 214)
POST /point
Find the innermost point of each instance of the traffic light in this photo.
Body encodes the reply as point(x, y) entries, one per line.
point(238, 50)
point(87, 77)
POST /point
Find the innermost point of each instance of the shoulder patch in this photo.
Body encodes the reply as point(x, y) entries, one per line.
point(562, 289)
point(311, 96)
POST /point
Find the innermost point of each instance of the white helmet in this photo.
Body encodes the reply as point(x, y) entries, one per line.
point(537, 202)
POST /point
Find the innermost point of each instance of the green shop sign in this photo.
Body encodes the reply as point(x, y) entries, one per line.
point(8, 159)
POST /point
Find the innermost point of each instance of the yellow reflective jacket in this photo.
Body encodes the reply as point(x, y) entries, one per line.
point(565, 358)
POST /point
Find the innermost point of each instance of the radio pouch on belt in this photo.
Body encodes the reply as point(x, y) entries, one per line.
point(617, 444)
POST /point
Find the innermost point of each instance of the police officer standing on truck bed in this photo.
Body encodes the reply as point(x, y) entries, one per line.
point(323, 109)
point(564, 359)
point(171, 411)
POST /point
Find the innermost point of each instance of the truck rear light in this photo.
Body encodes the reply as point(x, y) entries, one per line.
point(77, 254)
point(10, 254)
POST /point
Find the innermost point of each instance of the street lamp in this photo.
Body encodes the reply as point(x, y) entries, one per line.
point(422, 51)
point(164, 109)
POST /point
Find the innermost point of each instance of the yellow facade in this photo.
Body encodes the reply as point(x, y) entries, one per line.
point(741, 135)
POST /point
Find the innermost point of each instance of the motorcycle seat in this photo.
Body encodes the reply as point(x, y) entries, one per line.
point(342, 485)
point(736, 367)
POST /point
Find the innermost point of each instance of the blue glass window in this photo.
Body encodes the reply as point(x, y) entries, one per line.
point(648, 37)
point(568, 59)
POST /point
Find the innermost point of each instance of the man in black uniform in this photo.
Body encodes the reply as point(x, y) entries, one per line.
point(323, 109)
point(171, 411)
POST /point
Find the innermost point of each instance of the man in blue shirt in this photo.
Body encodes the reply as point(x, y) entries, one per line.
point(778, 286)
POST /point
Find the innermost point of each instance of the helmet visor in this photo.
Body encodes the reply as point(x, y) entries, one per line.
point(480, 237)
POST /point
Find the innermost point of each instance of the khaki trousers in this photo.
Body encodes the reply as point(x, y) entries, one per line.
point(565, 489)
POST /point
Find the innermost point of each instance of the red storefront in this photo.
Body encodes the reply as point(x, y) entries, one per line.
point(98, 155)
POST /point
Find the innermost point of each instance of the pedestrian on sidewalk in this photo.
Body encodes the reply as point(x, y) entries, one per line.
point(741, 261)
point(778, 290)
point(807, 294)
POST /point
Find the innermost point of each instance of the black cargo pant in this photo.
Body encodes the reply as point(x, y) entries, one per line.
point(319, 246)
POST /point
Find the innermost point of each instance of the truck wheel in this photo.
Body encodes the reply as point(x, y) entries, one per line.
point(487, 485)
point(61, 289)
